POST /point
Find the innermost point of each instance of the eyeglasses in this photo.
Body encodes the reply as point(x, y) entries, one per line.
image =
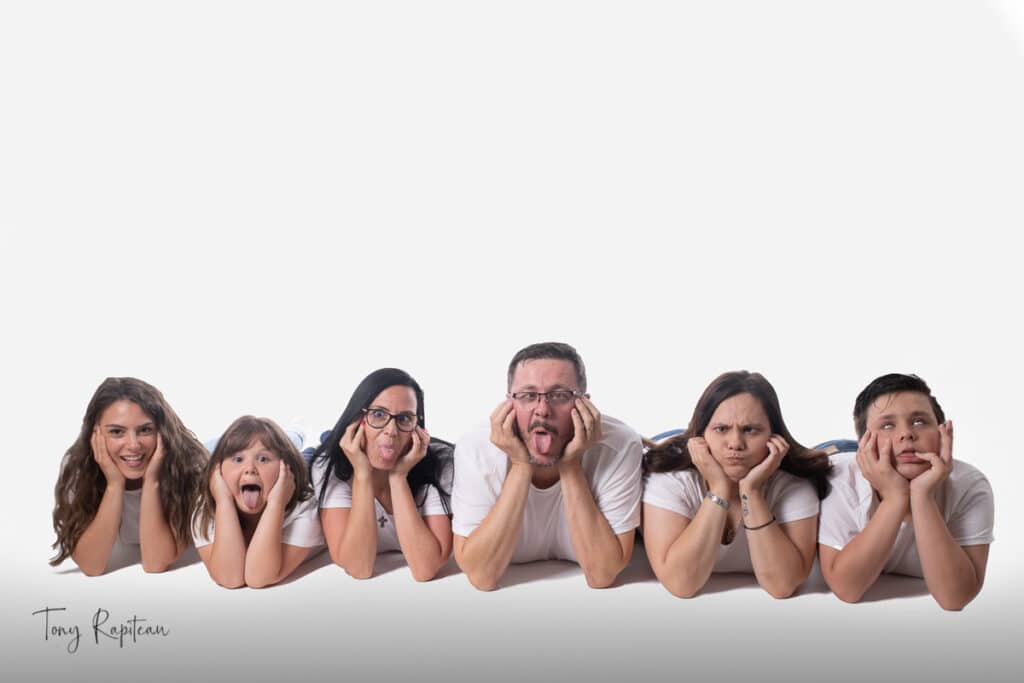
point(378, 418)
point(555, 399)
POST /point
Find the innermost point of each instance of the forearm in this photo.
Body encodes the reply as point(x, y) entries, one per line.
point(92, 551)
point(690, 559)
point(778, 564)
point(265, 553)
point(858, 565)
point(354, 546)
point(227, 557)
point(423, 552)
point(157, 543)
point(948, 572)
point(487, 551)
point(598, 550)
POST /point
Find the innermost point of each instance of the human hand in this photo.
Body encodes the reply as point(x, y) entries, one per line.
point(759, 474)
point(353, 445)
point(152, 473)
point(586, 423)
point(417, 451)
point(718, 483)
point(874, 457)
point(282, 490)
point(104, 460)
point(928, 482)
point(219, 488)
point(503, 433)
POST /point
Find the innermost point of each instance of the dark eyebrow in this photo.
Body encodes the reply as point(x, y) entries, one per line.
point(915, 413)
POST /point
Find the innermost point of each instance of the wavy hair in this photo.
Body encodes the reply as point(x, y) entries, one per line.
point(81, 483)
point(432, 470)
point(237, 437)
point(672, 454)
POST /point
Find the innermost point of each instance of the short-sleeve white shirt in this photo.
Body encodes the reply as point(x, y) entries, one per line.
point(789, 498)
point(339, 495)
point(131, 508)
point(965, 501)
point(301, 527)
point(611, 467)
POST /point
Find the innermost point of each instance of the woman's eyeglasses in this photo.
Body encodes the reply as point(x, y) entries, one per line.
point(378, 418)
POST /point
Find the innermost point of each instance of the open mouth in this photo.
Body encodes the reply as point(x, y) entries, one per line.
point(132, 461)
point(386, 452)
point(542, 439)
point(251, 495)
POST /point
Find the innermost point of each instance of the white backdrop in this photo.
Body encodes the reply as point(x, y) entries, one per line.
point(253, 205)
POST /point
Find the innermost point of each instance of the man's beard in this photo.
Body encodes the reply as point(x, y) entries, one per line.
point(553, 431)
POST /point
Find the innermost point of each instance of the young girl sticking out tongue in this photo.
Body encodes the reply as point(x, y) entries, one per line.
point(256, 521)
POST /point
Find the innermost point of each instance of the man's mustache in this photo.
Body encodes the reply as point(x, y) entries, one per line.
point(546, 426)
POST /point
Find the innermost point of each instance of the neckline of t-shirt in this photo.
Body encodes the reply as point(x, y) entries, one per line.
point(557, 486)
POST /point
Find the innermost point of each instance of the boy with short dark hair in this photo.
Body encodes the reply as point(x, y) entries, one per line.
point(902, 504)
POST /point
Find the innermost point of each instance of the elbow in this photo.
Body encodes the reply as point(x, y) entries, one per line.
point(955, 603)
point(680, 585)
point(92, 571)
point(482, 582)
point(780, 588)
point(681, 589)
point(421, 575)
point(780, 592)
point(848, 595)
point(360, 573)
point(356, 570)
point(600, 579)
point(258, 581)
point(952, 606)
point(155, 567)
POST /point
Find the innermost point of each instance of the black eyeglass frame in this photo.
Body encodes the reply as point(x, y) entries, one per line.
point(546, 394)
point(392, 416)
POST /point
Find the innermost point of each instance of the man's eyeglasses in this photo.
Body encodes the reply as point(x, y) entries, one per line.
point(378, 418)
point(555, 399)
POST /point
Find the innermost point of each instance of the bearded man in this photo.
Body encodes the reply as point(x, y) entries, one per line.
point(549, 479)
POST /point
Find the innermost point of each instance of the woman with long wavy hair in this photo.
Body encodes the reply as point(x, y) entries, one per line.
point(734, 493)
point(382, 480)
point(131, 477)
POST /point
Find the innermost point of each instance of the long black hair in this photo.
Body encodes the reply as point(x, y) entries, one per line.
point(800, 461)
point(432, 470)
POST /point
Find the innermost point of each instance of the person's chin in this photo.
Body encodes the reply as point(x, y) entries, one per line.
point(545, 460)
point(911, 471)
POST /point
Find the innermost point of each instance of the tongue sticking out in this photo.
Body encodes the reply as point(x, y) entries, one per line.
point(251, 497)
point(542, 442)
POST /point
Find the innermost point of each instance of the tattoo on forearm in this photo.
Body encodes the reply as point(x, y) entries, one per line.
point(746, 510)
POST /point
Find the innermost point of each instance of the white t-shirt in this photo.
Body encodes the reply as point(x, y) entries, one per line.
point(965, 501)
point(611, 467)
point(128, 532)
point(339, 495)
point(789, 498)
point(301, 527)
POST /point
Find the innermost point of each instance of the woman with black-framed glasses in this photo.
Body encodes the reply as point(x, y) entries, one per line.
point(382, 482)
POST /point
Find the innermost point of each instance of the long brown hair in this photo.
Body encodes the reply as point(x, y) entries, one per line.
point(672, 454)
point(81, 483)
point(238, 436)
